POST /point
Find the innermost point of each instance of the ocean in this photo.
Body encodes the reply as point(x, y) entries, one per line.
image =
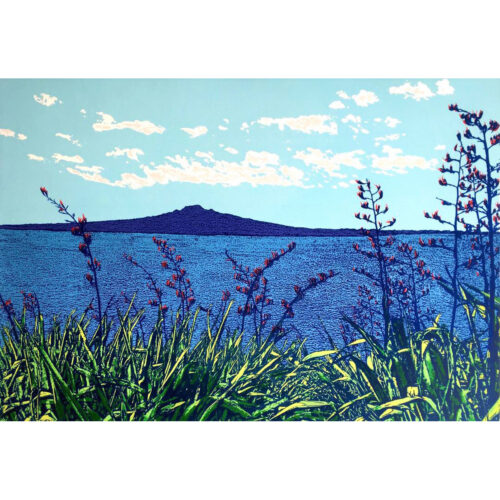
point(49, 264)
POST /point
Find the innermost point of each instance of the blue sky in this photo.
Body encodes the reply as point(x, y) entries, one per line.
point(285, 151)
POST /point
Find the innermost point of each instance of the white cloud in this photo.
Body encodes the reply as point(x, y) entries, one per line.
point(421, 91)
point(444, 87)
point(350, 118)
point(320, 124)
point(7, 133)
point(196, 131)
point(131, 153)
point(10, 133)
point(396, 163)
point(390, 150)
point(231, 150)
point(83, 112)
point(107, 122)
point(33, 157)
point(46, 99)
point(343, 184)
point(440, 147)
point(365, 97)
point(261, 158)
point(390, 137)
point(258, 168)
point(93, 169)
point(378, 120)
point(245, 127)
point(342, 94)
point(221, 127)
point(225, 120)
point(417, 92)
point(336, 105)
point(92, 174)
point(292, 175)
point(207, 156)
point(331, 163)
point(72, 159)
point(391, 122)
point(69, 138)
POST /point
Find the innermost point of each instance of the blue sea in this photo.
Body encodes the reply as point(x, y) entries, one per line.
point(49, 264)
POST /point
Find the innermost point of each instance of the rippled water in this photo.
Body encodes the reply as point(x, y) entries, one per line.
point(49, 264)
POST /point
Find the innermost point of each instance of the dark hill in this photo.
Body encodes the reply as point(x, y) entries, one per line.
point(196, 220)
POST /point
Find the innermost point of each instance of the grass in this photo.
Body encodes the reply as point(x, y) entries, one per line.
point(70, 372)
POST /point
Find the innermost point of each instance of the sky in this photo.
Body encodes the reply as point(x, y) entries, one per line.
point(284, 151)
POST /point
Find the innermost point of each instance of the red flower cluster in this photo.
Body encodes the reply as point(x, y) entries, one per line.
point(94, 264)
point(78, 229)
point(178, 281)
point(254, 282)
point(30, 302)
point(288, 309)
point(494, 125)
point(83, 248)
point(245, 310)
point(8, 303)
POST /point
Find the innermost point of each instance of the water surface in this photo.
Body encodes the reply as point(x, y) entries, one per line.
point(49, 264)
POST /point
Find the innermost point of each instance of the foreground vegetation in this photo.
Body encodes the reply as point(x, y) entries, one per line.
point(67, 373)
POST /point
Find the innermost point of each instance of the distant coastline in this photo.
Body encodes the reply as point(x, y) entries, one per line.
point(196, 220)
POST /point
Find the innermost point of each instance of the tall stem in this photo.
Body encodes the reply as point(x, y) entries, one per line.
point(382, 272)
point(493, 336)
point(94, 273)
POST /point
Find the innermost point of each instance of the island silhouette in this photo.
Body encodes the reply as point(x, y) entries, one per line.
point(196, 220)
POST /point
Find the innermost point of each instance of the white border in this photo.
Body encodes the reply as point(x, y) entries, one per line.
point(260, 39)
point(249, 460)
point(249, 39)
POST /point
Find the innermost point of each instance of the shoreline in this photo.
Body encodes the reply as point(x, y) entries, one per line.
point(322, 233)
